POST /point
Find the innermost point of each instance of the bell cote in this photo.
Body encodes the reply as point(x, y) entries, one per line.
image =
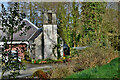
point(49, 18)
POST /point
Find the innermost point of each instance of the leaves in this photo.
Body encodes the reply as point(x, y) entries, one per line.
point(92, 20)
point(12, 22)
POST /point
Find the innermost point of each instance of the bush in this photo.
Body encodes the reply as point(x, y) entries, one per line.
point(73, 52)
point(109, 70)
point(40, 74)
point(61, 72)
point(27, 56)
point(90, 57)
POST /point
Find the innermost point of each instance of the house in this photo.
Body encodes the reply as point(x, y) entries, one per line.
point(41, 43)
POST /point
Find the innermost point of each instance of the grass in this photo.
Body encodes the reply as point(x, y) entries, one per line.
point(109, 70)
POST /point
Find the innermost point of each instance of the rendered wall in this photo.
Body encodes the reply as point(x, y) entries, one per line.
point(50, 41)
point(38, 47)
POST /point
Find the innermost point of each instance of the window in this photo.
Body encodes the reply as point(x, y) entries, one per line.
point(49, 18)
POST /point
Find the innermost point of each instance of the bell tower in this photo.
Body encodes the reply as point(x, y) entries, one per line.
point(50, 35)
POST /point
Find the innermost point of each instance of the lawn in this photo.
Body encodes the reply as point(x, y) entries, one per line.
point(109, 70)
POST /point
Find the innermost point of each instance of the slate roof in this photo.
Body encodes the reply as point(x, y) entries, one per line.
point(36, 34)
point(29, 33)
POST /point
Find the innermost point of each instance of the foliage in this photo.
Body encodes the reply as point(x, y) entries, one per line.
point(93, 56)
point(12, 22)
point(87, 58)
point(109, 70)
point(111, 29)
point(75, 18)
point(27, 56)
point(69, 23)
point(73, 52)
point(61, 72)
point(40, 74)
point(91, 18)
point(59, 47)
point(47, 61)
point(64, 27)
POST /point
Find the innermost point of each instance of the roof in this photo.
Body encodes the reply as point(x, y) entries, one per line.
point(36, 34)
point(29, 33)
point(30, 23)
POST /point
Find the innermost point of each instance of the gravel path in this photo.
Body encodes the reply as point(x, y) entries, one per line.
point(31, 68)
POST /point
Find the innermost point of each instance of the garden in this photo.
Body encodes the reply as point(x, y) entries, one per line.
point(88, 63)
point(27, 59)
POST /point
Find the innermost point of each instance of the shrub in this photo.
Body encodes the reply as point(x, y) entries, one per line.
point(27, 56)
point(61, 72)
point(73, 52)
point(109, 70)
point(90, 57)
point(40, 74)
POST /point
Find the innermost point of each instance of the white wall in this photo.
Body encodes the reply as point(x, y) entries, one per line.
point(38, 47)
point(50, 40)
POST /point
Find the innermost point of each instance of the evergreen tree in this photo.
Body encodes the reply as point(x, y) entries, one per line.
point(12, 22)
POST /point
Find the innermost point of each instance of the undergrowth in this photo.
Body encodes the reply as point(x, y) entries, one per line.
point(87, 58)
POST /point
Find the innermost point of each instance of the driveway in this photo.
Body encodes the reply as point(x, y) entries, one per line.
point(30, 69)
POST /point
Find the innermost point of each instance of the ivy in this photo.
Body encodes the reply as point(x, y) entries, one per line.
point(92, 19)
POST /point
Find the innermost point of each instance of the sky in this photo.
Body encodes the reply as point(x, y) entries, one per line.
point(4, 2)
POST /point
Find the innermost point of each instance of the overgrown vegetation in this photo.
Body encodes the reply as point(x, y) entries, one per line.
point(27, 56)
point(91, 18)
point(88, 58)
point(40, 74)
point(98, 27)
point(109, 70)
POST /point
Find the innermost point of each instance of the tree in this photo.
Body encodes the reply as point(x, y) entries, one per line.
point(110, 23)
point(75, 17)
point(64, 25)
point(91, 17)
point(12, 22)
